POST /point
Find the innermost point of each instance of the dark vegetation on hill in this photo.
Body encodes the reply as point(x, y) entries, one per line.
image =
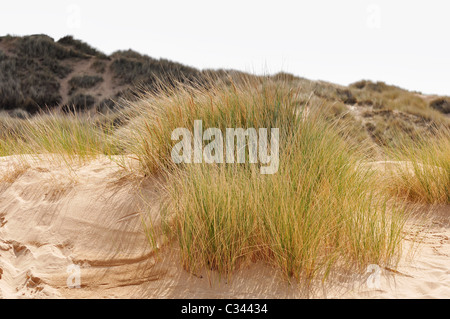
point(39, 74)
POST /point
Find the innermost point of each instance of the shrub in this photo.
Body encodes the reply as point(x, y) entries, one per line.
point(106, 105)
point(20, 114)
point(346, 96)
point(30, 83)
point(370, 86)
point(98, 66)
point(55, 67)
point(442, 105)
point(84, 82)
point(150, 73)
point(37, 46)
point(283, 76)
point(81, 47)
point(80, 102)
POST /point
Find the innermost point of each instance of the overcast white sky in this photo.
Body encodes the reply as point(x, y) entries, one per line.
point(405, 43)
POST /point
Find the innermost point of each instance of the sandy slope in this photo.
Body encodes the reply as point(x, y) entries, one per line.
point(53, 217)
point(54, 220)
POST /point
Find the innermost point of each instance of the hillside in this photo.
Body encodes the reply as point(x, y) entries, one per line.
point(38, 73)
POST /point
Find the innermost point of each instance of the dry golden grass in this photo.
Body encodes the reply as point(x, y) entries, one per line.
point(424, 175)
point(321, 211)
point(71, 134)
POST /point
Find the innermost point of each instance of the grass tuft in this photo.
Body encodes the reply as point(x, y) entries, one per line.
point(424, 175)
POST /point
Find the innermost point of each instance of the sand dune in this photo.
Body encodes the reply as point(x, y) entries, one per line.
point(53, 218)
point(56, 223)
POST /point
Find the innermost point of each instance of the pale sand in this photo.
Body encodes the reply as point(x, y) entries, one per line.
point(52, 217)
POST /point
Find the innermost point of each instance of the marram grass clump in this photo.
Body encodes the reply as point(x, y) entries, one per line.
point(423, 173)
point(321, 210)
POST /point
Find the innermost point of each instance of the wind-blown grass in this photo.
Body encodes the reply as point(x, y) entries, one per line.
point(154, 117)
point(70, 134)
point(424, 175)
point(320, 211)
